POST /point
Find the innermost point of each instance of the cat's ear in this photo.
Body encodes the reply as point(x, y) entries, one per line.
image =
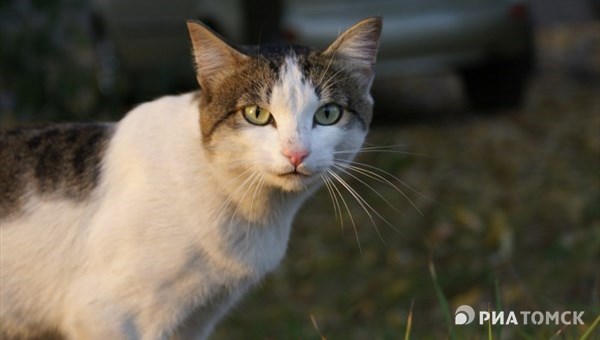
point(212, 55)
point(358, 45)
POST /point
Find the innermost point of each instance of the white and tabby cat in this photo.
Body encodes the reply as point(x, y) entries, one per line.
point(151, 228)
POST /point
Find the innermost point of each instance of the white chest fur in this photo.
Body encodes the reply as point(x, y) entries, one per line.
point(166, 224)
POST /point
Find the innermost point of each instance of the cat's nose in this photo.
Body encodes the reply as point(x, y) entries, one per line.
point(296, 156)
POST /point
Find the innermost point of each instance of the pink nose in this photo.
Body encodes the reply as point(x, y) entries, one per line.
point(296, 156)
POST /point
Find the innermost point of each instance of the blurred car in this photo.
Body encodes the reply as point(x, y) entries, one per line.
point(488, 42)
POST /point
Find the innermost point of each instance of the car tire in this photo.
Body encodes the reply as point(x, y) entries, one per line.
point(496, 85)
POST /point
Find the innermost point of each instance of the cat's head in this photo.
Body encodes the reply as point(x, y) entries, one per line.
point(285, 113)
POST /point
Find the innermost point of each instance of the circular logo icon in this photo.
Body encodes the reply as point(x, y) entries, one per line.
point(464, 315)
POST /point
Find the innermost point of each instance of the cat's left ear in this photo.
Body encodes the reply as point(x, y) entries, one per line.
point(357, 46)
point(213, 56)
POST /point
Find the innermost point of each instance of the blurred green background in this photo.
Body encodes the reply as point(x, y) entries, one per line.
point(510, 201)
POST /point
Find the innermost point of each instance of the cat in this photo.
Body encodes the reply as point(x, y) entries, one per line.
point(153, 227)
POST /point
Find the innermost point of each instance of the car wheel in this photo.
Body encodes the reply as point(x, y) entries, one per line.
point(497, 84)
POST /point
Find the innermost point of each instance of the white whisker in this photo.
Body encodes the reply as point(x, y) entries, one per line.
point(320, 82)
point(382, 179)
point(232, 194)
point(334, 81)
point(334, 202)
point(367, 204)
point(361, 201)
point(256, 190)
point(254, 177)
point(348, 210)
point(328, 83)
point(382, 151)
point(367, 185)
point(406, 185)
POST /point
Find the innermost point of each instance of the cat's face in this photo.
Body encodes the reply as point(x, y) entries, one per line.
point(285, 115)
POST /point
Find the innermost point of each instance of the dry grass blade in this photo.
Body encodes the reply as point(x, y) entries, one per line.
point(316, 326)
point(409, 321)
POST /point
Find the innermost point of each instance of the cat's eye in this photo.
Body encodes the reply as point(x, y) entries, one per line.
point(328, 114)
point(257, 115)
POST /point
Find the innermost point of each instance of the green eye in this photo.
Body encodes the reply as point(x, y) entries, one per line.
point(257, 115)
point(328, 114)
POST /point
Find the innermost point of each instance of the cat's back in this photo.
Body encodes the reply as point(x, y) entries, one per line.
point(51, 162)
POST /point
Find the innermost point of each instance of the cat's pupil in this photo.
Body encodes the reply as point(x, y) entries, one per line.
point(327, 112)
point(257, 112)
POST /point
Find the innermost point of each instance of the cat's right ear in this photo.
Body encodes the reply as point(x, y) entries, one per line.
point(212, 55)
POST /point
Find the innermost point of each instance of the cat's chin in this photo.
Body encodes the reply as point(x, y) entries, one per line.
point(294, 182)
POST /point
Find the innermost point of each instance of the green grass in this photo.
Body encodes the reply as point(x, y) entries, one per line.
point(498, 297)
point(590, 329)
point(445, 307)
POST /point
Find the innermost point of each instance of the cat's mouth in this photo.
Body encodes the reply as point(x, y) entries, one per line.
point(296, 173)
point(297, 179)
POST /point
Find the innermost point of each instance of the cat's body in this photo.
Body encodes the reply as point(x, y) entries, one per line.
point(151, 228)
point(136, 236)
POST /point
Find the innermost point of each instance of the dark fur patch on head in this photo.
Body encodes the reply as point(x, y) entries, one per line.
point(60, 160)
point(247, 83)
point(337, 82)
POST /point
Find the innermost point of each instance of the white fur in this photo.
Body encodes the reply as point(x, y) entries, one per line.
point(160, 243)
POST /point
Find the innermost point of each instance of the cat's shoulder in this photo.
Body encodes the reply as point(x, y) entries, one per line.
point(161, 117)
point(167, 106)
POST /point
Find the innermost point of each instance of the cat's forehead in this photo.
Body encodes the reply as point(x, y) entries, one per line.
point(276, 57)
point(252, 79)
point(329, 78)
